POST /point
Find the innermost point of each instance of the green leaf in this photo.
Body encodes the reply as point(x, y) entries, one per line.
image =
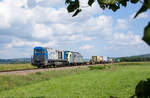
point(77, 12)
point(123, 2)
point(67, 1)
point(108, 1)
point(73, 5)
point(90, 2)
point(110, 4)
point(101, 4)
point(70, 8)
point(77, 3)
point(114, 7)
point(146, 36)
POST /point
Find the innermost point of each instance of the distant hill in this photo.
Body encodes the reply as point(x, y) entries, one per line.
point(142, 56)
point(145, 57)
point(15, 60)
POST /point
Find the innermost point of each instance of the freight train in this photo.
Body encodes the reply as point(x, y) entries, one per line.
point(47, 57)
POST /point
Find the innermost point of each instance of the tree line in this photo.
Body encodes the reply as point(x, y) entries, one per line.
point(134, 59)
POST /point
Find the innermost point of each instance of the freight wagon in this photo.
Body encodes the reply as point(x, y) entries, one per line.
point(97, 59)
point(110, 60)
point(101, 59)
point(45, 57)
point(116, 60)
point(105, 59)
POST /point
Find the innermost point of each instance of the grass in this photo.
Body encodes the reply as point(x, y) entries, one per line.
point(11, 81)
point(133, 63)
point(100, 82)
point(98, 67)
point(15, 66)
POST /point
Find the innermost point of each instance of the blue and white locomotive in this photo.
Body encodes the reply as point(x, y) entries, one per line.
point(44, 57)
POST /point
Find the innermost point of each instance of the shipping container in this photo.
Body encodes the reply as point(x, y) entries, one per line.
point(94, 59)
point(109, 60)
point(97, 59)
point(117, 60)
point(105, 59)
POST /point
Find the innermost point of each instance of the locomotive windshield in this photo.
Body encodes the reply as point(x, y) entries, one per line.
point(37, 51)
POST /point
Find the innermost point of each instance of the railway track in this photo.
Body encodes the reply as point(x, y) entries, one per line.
point(42, 69)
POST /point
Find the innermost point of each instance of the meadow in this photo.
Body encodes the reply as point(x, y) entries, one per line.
point(15, 66)
point(92, 82)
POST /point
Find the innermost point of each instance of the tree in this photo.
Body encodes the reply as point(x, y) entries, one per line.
point(73, 6)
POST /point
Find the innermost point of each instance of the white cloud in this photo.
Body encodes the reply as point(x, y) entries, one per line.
point(122, 24)
point(140, 16)
point(77, 38)
point(48, 3)
point(17, 42)
point(42, 31)
point(37, 1)
point(13, 12)
point(87, 47)
point(125, 39)
point(101, 25)
point(4, 16)
point(90, 10)
point(62, 29)
point(143, 16)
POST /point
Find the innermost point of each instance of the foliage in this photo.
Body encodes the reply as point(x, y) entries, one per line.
point(142, 89)
point(146, 36)
point(99, 67)
point(114, 5)
point(96, 67)
point(85, 83)
point(38, 73)
point(134, 59)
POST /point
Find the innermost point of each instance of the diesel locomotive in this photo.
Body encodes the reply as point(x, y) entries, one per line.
point(46, 57)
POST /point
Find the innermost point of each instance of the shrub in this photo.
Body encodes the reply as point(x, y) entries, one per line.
point(38, 73)
point(96, 67)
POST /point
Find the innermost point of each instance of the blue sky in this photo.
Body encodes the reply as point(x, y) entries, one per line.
point(25, 24)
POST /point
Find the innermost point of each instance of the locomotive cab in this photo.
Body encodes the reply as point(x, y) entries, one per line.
point(39, 56)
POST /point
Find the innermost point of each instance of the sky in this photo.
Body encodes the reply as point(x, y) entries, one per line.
point(25, 24)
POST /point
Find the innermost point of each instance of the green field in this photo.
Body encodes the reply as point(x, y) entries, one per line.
point(15, 66)
point(92, 82)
